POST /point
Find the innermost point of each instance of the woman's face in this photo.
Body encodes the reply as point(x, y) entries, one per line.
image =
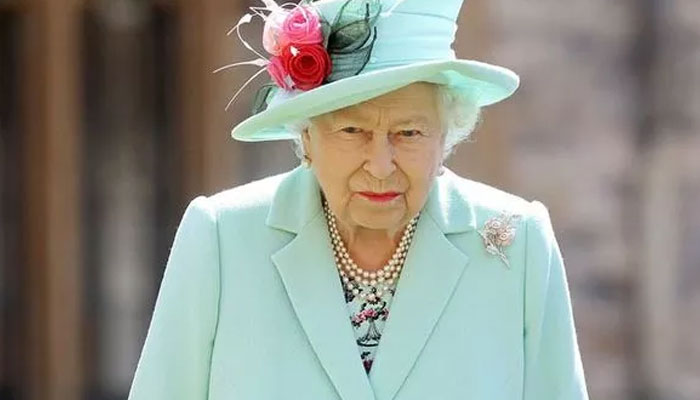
point(376, 160)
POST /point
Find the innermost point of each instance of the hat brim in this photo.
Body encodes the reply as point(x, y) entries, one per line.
point(484, 83)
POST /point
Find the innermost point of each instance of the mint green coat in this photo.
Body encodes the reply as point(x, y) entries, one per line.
point(251, 307)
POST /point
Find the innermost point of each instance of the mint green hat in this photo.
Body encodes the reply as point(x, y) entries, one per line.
point(411, 42)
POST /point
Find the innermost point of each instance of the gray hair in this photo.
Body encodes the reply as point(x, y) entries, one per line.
point(460, 117)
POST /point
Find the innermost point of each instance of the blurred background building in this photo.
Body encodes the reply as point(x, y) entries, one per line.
point(111, 121)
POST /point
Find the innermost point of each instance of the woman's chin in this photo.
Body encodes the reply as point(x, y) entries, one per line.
point(388, 218)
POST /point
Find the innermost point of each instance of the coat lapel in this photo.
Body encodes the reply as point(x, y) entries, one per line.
point(431, 272)
point(309, 274)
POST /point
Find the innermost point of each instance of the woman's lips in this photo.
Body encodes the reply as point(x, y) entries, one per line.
point(380, 197)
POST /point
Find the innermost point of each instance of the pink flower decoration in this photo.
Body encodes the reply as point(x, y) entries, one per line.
point(302, 26)
point(278, 74)
point(272, 32)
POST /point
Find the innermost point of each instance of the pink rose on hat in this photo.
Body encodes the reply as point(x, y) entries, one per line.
point(302, 26)
point(278, 73)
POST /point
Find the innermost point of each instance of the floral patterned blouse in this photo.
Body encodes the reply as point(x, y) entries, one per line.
point(368, 318)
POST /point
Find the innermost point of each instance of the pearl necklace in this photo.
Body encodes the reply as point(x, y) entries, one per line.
point(377, 282)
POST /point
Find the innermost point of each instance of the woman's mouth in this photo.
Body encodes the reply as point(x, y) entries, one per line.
point(380, 197)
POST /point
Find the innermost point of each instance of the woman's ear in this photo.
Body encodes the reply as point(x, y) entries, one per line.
point(306, 140)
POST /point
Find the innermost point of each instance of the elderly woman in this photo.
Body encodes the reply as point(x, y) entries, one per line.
point(370, 271)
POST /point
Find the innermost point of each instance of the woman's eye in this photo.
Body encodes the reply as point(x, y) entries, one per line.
point(409, 132)
point(351, 129)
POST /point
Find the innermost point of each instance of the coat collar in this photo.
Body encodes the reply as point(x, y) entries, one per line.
point(297, 200)
point(309, 274)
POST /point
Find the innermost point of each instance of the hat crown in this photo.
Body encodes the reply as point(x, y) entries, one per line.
point(408, 31)
point(448, 9)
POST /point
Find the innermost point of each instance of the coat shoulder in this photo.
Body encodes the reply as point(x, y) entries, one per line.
point(252, 198)
point(487, 200)
point(488, 203)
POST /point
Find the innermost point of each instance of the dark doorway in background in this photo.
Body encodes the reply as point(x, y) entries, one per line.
point(10, 192)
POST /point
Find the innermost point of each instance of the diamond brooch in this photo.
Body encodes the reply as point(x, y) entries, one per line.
point(499, 232)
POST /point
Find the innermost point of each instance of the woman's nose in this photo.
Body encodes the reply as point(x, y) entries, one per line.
point(380, 157)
